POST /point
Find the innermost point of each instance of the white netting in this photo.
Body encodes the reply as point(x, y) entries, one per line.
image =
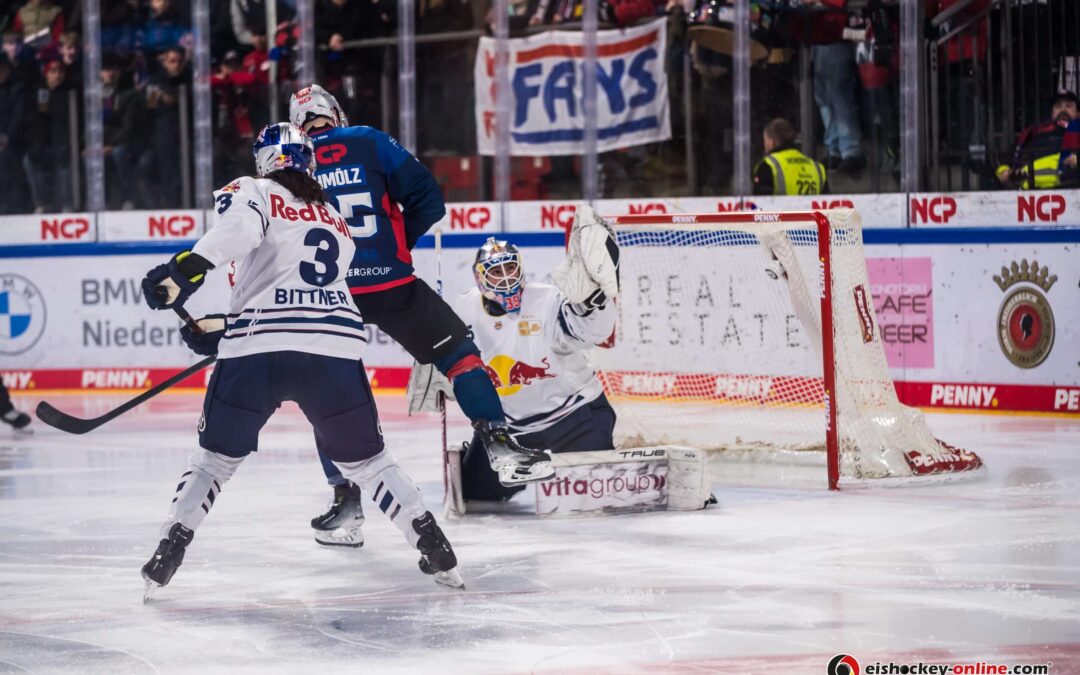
point(719, 346)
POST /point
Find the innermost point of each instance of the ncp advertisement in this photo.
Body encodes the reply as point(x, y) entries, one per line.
point(987, 326)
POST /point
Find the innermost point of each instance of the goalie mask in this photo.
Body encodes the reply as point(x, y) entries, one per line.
point(498, 273)
point(283, 146)
point(312, 102)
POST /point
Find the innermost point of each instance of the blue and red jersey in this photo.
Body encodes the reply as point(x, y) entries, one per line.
point(368, 175)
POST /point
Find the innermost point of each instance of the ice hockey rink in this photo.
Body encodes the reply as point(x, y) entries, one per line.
point(778, 578)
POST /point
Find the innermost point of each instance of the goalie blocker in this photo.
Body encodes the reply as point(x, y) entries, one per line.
point(606, 482)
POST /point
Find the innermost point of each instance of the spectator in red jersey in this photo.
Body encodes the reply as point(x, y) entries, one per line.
point(257, 61)
point(232, 85)
point(1036, 159)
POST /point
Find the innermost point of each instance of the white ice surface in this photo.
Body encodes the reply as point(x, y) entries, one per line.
point(779, 578)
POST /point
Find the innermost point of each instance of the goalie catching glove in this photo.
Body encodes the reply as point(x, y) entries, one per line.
point(589, 275)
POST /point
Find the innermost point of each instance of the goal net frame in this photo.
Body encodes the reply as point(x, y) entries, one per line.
point(810, 220)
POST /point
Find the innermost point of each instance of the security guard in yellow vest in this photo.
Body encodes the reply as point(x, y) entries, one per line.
point(1038, 149)
point(784, 170)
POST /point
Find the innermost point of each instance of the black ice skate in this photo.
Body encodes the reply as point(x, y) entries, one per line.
point(341, 524)
point(515, 464)
point(168, 556)
point(19, 421)
point(436, 556)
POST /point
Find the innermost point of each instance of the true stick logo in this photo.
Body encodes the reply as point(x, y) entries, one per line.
point(1025, 322)
point(22, 314)
point(843, 664)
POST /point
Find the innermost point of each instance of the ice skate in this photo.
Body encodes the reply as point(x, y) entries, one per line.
point(515, 464)
point(342, 524)
point(19, 421)
point(166, 559)
point(437, 557)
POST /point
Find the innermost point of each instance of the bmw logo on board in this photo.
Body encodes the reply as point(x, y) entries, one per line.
point(22, 314)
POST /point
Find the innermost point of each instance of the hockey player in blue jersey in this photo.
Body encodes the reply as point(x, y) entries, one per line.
point(291, 334)
point(368, 175)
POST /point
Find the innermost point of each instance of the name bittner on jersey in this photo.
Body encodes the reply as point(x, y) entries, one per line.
point(318, 296)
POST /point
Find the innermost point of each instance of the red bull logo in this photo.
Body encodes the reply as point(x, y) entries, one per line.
point(509, 375)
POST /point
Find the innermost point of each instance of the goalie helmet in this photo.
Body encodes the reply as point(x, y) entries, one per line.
point(283, 146)
point(312, 102)
point(498, 273)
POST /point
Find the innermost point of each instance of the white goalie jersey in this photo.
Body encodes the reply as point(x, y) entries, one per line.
point(536, 357)
point(289, 293)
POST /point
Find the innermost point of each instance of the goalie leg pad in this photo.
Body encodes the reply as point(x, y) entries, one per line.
point(199, 486)
point(623, 481)
point(390, 488)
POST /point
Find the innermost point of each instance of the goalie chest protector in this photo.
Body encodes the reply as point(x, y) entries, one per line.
point(537, 366)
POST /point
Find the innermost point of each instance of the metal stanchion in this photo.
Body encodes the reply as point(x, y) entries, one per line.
point(94, 154)
point(73, 148)
point(407, 75)
point(182, 102)
point(203, 109)
point(589, 162)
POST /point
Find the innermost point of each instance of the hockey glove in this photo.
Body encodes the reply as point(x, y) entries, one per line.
point(205, 343)
point(592, 259)
point(172, 284)
point(596, 300)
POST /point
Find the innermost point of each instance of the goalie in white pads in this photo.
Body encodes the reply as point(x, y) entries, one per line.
point(533, 341)
point(534, 338)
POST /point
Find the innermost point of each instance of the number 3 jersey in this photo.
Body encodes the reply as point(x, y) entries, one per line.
point(289, 293)
point(536, 357)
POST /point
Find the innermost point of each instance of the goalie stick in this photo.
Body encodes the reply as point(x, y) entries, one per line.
point(77, 425)
point(441, 397)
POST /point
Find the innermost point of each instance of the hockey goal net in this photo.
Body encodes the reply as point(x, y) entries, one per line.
point(756, 333)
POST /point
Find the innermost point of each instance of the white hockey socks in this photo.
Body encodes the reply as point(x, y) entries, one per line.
point(198, 488)
point(390, 488)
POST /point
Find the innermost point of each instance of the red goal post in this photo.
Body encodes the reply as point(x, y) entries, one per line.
point(855, 391)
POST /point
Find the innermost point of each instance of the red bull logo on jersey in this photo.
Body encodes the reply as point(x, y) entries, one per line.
point(509, 375)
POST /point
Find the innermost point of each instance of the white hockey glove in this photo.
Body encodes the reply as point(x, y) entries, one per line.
point(592, 261)
point(425, 384)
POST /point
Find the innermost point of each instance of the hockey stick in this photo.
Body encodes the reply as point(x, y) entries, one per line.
point(77, 425)
point(441, 397)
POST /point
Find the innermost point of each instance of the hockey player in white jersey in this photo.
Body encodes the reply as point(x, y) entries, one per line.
point(292, 333)
point(533, 339)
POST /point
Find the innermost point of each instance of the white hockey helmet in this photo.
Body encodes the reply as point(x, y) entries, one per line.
point(312, 102)
point(498, 273)
point(283, 146)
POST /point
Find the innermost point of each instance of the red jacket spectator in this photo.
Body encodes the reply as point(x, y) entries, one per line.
point(256, 62)
point(822, 23)
point(962, 47)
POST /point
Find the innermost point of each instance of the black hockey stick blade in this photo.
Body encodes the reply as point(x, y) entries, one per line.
point(77, 425)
